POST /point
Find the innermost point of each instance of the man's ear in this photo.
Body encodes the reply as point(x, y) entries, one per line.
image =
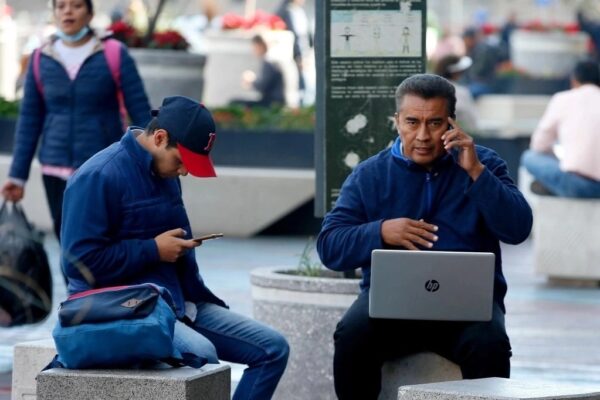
point(161, 137)
point(397, 121)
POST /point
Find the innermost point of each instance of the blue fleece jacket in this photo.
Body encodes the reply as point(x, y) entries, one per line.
point(114, 207)
point(74, 118)
point(471, 216)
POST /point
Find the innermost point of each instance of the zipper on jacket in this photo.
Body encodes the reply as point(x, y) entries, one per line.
point(428, 196)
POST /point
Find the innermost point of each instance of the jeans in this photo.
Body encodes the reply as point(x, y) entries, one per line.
point(545, 169)
point(218, 333)
point(363, 344)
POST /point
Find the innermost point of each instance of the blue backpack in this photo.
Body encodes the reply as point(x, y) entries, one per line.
point(118, 327)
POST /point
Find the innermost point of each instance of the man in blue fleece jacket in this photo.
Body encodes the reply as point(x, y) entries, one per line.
point(433, 190)
point(124, 223)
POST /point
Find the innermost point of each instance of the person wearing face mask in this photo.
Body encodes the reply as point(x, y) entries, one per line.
point(70, 104)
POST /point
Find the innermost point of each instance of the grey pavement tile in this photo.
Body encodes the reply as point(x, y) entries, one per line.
point(553, 328)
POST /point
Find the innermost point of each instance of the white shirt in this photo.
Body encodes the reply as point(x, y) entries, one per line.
point(572, 118)
point(73, 57)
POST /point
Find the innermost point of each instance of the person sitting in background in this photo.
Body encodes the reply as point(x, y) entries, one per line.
point(452, 68)
point(572, 120)
point(269, 83)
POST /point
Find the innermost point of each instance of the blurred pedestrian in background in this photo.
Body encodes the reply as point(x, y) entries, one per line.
point(296, 20)
point(70, 102)
point(452, 68)
point(480, 77)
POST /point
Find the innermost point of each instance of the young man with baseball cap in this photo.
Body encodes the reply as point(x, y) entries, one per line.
point(124, 223)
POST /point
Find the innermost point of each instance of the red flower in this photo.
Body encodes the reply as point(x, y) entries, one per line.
point(260, 18)
point(168, 40)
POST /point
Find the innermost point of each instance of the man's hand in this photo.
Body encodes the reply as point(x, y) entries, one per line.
point(467, 156)
point(13, 192)
point(408, 233)
point(171, 246)
point(248, 78)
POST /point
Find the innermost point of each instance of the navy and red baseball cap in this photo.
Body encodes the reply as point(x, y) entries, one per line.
point(191, 125)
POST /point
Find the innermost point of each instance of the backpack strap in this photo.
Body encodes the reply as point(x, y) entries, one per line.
point(37, 55)
point(112, 53)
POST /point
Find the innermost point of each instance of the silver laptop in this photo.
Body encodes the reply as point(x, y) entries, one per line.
point(431, 285)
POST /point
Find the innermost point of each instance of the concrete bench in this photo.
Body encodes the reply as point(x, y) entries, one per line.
point(29, 358)
point(211, 382)
point(416, 369)
point(496, 389)
point(566, 235)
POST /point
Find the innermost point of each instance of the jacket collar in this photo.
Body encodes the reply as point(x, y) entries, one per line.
point(136, 150)
point(47, 48)
point(400, 158)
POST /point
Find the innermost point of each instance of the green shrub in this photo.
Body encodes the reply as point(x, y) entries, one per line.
point(8, 108)
point(307, 266)
point(265, 118)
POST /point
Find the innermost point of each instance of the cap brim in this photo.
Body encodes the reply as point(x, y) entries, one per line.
point(198, 165)
point(463, 64)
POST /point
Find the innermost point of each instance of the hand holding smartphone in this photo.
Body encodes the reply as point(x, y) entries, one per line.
point(207, 237)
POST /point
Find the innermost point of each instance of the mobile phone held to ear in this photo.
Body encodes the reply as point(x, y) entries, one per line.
point(207, 237)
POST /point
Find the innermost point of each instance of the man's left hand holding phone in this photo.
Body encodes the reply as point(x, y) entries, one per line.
point(172, 245)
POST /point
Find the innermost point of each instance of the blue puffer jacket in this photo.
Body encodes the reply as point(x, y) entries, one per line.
point(114, 207)
point(75, 118)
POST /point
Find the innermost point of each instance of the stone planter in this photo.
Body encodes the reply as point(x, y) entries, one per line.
point(264, 148)
point(305, 310)
point(170, 72)
point(229, 55)
point(7, 134)
point(547, 54)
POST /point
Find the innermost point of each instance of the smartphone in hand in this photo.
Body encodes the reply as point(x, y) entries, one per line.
point(207, 237)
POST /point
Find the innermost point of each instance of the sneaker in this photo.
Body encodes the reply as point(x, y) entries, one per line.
point(537, 188)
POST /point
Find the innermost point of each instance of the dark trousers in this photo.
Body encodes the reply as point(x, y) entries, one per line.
point(55, 189)
point(363, 344)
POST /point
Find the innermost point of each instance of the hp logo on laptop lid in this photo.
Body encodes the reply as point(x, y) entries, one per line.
point(432, 285)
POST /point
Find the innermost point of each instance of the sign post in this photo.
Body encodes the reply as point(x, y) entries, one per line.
point(365, 48)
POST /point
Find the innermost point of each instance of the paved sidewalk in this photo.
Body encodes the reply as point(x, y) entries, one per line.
point(553, 329)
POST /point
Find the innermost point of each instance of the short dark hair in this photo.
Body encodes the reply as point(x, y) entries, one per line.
point(258, 39)
point(154, 125)
point(586, 72)
point(88, 4)
point(444, 63)
point(428, 86)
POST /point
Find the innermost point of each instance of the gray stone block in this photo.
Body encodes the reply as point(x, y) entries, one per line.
point(416, 369)
point(306, 310)
point(211, 382)
point(496, 389)
point(566, 234)
point(170, 72)
point(29, 359)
